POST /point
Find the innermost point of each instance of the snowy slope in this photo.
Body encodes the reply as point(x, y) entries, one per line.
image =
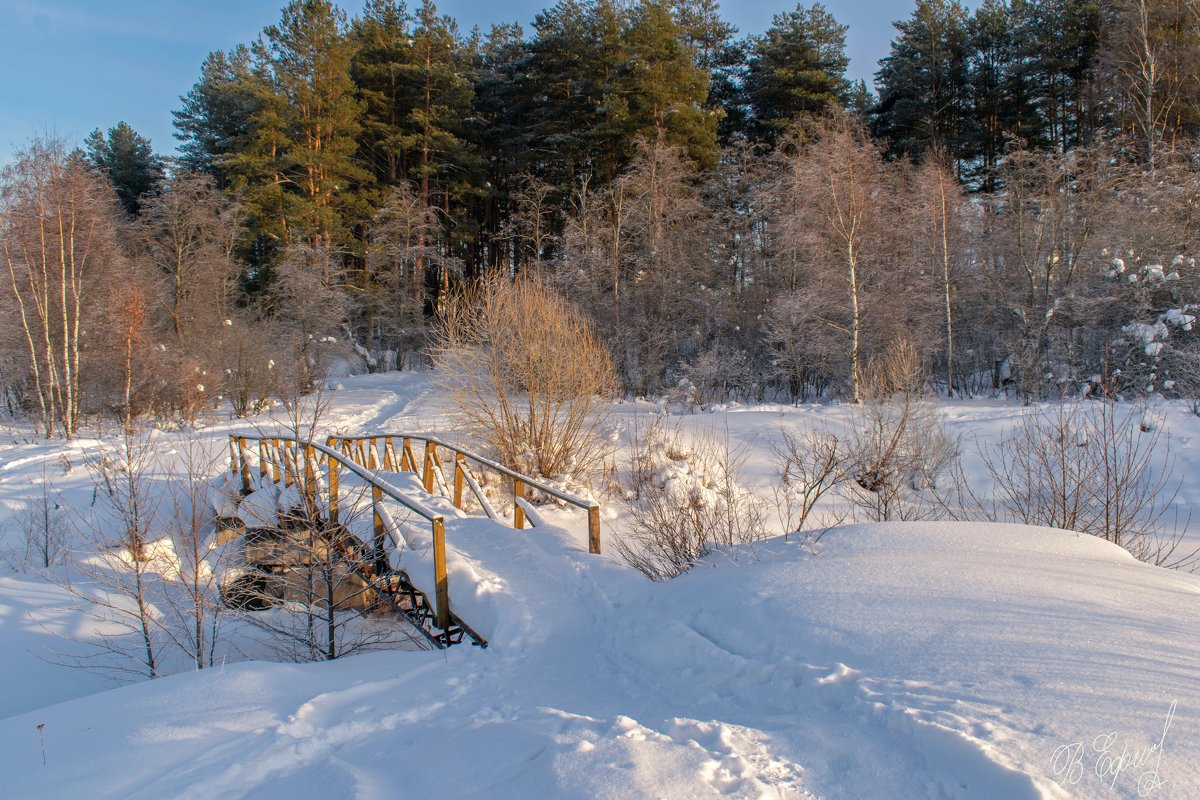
point(913, 660)
point(901, 660)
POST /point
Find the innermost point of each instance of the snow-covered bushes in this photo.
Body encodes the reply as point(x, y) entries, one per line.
point(898, 444)
point(1093, 468)
point(684, 502)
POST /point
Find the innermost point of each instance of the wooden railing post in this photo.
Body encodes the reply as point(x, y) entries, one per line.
point(407, 457)
point(245, 466)
point(594, 529)
point(427, 475)
point(389, 454)
point(233, 454)
point(262, 458)
point(458, 479)
point(518, 512)
point(441, 583)
point(275, 462)
point(310, 476)
point(381, 563)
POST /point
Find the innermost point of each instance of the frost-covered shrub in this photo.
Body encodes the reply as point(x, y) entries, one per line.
point(684, 502)
point(719, 373)
point(524, 369)
point(898, 444)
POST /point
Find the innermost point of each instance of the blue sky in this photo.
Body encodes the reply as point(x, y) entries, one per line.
point(69, 66)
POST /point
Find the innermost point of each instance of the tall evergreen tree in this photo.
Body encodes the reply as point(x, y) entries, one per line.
point(1060, 44)
point(796, 69)
point(128, 161)
point(667, 89)
point(309, 56)
point(215, 120)
point(383, 58)
point(922, 83)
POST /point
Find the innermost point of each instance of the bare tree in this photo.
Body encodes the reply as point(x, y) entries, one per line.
point(858, 288)
point(1053, 208)
point(119, 566)
point(43, 523)
point(939, 232)
point(535, 219)
point(311, 305)
point(188, 234)
point(191, 597)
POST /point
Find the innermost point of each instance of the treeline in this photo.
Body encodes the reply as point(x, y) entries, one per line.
point(1017, 200)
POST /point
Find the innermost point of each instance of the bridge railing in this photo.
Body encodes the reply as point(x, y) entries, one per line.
point(382, 452)
point(297, 461)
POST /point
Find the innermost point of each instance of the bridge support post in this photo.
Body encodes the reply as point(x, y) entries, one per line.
point(333, 491)
point(245, 465)
point(442, 593)
point(427, 477)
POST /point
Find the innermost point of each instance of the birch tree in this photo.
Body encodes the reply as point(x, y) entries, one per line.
point(58, 235)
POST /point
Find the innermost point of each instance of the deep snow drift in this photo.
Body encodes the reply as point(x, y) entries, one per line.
point(898, 660)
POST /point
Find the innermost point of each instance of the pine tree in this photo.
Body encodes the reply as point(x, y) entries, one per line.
point(128, 161)
point(667, 89)
point(922, 84)
point(796, 69)
point(383, 56)
point(215, 120)
point(1059, 46)
point(309, 56)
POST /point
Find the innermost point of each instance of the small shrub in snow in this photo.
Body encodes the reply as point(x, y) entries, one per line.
point(898, 443)
point(684, 503)
point(812, 464)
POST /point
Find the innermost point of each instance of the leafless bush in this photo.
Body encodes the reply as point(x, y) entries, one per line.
point(192, 609)
point(43, 523)
point(685, 503)
point(251, 377)
point(898, 444)
point(812, 464)
point(524, 369)
point(1095, 469)
point(120, 567)
point(1185, 372)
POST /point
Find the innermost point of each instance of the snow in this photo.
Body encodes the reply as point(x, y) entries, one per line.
point(898, 660)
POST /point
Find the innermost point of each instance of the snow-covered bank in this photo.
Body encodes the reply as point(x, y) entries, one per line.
point(911, 660)
point(902, 660)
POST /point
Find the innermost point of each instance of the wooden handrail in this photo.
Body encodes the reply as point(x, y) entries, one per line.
point(349, 445)
point(240, 465)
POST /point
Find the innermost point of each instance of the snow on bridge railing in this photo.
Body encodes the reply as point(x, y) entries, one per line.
point(298, 461)
point(379, 452)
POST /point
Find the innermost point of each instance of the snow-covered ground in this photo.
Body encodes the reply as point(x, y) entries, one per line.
point(899, 660)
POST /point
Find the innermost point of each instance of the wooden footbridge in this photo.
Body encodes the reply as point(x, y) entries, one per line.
point(331, 480)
